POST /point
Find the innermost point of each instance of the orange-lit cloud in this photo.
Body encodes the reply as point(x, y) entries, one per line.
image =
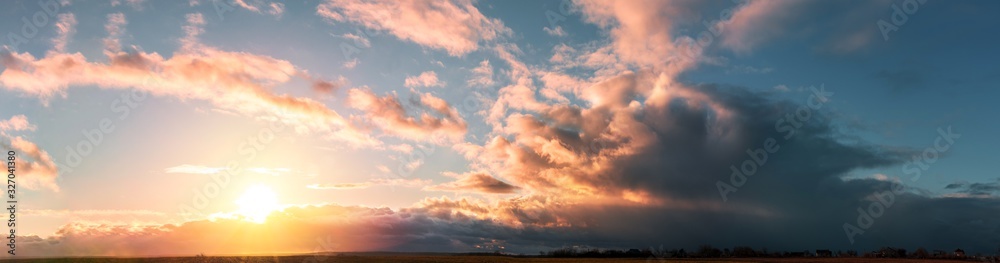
point(455, 26)
point(425, 79)
point(475, 182)
point(437, 120)
point(233, 81)
point(65, 27)
point(34, 167)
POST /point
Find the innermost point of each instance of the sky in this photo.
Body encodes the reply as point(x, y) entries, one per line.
point(249, 126)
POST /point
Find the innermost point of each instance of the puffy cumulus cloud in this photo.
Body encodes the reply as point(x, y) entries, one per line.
point(642, 31)
point(233, 81)
point(425, 79)
point(34, 167)
point(436, 121)
point(16, 123)
point(635, 168)
point(644, 152)
point(474, 182)
point(455, 26)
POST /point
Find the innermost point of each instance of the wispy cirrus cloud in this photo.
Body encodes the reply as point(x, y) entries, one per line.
point(194, 169)
point(474, 182)
point(455, 26)
point(402, 182)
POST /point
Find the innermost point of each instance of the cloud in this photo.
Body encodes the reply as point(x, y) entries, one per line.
point(425, 79)
point(36, 170)
point(339, 186)
point(351, 63)
point(195, 72)
point(755, 22)
point(455, 26)
point(983, 190)
point(115, 28)
point(34, 167)
point(482, 76)
point(642, 31)
point(194, 169)
point(16, 123)
point(557, 32)
point(403, 148)
point(362, 41)
point(437, 119)
point(845, 25)
point(259, 6)
point(65, 28)
point(374, 182)
point(475, 182)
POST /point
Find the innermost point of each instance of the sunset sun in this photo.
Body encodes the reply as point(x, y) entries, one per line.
point(256, 203)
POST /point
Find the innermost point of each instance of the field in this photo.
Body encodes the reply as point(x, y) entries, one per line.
point(442, 258)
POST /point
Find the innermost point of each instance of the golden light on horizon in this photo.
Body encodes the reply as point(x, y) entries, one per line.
point(256, 203)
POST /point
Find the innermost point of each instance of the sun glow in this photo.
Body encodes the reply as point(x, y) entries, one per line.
point(257, 203)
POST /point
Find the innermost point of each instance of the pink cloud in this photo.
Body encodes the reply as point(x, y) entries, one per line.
point(425, 79)
point(482, 76)
point(442, 122)
point(642, 31)
point(259, 6)
point(65, 27)
point(36, 170)
point(34, 167)
point(756, 22)
point(232, 81)
point(455, 26)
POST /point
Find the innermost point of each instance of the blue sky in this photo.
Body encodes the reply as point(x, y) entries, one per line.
point(484, 115)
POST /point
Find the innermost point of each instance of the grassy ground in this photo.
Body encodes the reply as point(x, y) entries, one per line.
point(442, 258)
